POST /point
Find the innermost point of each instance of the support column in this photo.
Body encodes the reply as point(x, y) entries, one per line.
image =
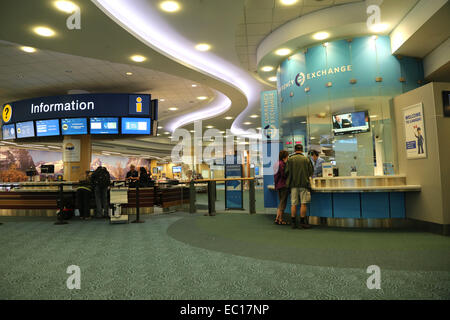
point(77, 156)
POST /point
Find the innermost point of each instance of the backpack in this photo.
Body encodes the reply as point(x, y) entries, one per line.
point(102, 178)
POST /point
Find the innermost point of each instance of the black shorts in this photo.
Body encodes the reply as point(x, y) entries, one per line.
point(283, 194)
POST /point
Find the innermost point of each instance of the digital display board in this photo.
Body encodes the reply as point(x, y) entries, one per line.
point(74, 126)
point(9, 132)
point(352, 122)
point(135, 126)
point(25, 129)
point(104, 126)
point(176, 169)
point(45, 128)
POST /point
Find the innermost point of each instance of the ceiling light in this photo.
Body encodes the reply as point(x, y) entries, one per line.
point(160, 127)
point(166, 132)
point(203, 47)
point(228, 118)
point(202, 98)
point(169, 6)
point(162, 100)
point(283, 52)
point(28, 49)
point(65, 6)
point(129, 73)
point(267, 68)
point(273, 79)
point(194, 85)
point(192, 131)
point(379, 27)
point(321, 35)
point(44, 31)
point(254, 116)
point(138, 58)
point(247, 123)
point(173, 109)
point(288, 2)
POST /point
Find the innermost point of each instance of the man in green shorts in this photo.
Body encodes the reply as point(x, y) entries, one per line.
point(299, 170)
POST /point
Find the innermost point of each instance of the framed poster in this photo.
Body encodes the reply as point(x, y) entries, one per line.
point(71, 150)
point(415, 139)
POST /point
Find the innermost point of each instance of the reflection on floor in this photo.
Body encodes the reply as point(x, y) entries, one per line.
point(229, 256)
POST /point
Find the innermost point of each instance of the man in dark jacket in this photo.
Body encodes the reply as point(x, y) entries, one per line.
point(101, 180)
point(299, 170)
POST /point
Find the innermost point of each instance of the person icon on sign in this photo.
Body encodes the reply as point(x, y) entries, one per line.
point(420, 140)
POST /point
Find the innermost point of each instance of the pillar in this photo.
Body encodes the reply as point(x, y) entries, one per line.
point(77, 156)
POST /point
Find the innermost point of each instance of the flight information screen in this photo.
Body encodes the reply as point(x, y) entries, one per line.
point(45, 128)
point(135, 126)
point(25, 129)
point(74, 126)
point(104, 125)
point(9, 132)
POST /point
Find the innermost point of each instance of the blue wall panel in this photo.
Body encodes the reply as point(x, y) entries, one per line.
point(346, 205)
point(321, 205)
point(397, 202)
point(375, 205)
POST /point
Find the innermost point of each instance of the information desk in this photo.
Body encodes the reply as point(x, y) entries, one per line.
point(42, 198)
point(372, 197)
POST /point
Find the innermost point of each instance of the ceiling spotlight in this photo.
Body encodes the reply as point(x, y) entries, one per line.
point(272, 79)
point(65, 6)
point(160, 127)
point(254, 116)
point(44, 31)
point(28, 49)
point(267, 68)
point(283, 52)
point(379, 27)
point(129, 73)
point(228, 118)
point(138, 58)
point(321, 35)
point(209, 127)
point(247, 123)
point(192, 131)
point(173, 109)
point(194, 85)
point(169, 6)
point(202, 98)
point(203, 47)
point(162, 100)
point(166, 132)
point(288, 2)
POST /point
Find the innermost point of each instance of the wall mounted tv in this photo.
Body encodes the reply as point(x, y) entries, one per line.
point(104, 125)
point(25, 129)
point(9, 131)
point(74, 126)
point(46, 128)
point(351, 122)
point(176, 169)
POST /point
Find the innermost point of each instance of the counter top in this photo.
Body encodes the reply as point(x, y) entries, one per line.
point(400, 188)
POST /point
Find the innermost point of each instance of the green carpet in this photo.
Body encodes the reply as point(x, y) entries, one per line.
point(174, 257)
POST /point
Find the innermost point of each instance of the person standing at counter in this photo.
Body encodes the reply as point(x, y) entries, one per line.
point(144, 179)
point(101, 180)
point(317, 163)
point(84, 195)
point(132, 176)
point(280, 185)
point(299, 170)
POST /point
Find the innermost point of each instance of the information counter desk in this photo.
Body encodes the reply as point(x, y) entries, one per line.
point(372, 197)
point(42, 198)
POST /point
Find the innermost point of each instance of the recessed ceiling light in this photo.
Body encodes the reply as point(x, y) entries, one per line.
point(247, 123)
point(259, 128)
point(202, 98)
point(267, 68)
point(194, 85)
point(209, 127)
point(65, 6)
point(160, 127)
point(129, 73)
point(173, 109)
point(228, 118)
point(321, 35)
point(203, 47)
point(192, 131)
point(379, 27)
point(162, 100)
point(273, 79)
point(254, 116)
point(222, 132)
point(288, 2)
point(138, 58)
point(44, 31)
point(283, 52)
point(28, 49)
point(170, 6)
point(158, 135)
point(166, 132)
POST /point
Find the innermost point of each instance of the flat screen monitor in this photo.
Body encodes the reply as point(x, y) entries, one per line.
point(9, 131)
point(25, 129)
point(74, 126)
point(351, 122)
point(104, 126)
point(48, 168)
point(446, 102)
point(176, 169)
point(136, 125)
point(155, 170)
point(46, 128)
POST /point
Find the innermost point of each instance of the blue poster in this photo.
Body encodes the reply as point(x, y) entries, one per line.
point(233, 189)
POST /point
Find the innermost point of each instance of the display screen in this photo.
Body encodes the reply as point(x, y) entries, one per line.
point(104, 126)
point(45, 128)
point(176, 169)
point(9, 131)
point(446, 102)
point(135, 126)
point(352, 122)
point(25, 129)
point(74, 126)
